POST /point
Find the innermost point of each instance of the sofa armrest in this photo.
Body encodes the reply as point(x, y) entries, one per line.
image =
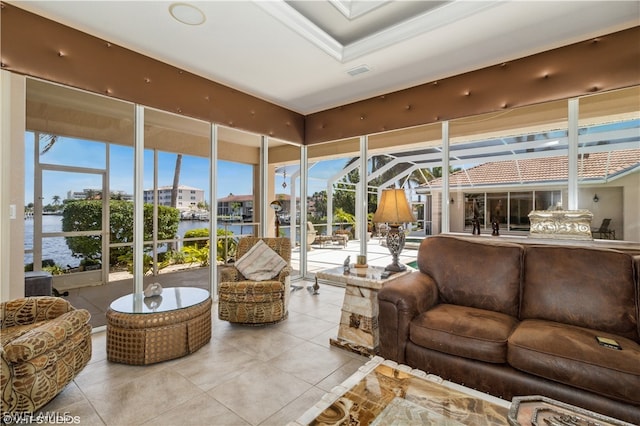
point(46, 337)
point(27, 310)
point(400, 301)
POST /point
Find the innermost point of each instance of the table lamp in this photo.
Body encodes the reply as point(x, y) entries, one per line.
point(394, 210)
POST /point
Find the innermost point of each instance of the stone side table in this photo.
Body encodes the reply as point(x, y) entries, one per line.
point(358, 331)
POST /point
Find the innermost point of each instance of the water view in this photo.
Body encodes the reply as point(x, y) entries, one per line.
point(55, 248)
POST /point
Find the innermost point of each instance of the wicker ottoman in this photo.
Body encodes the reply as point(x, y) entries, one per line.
point(144, 331)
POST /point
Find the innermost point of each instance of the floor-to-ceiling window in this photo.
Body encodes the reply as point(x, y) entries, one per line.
point(409, 159)
point(503, 165)
point(609, 162)
point(284, 189)
point(75, 144)
point(176, 196)
point(333, 177)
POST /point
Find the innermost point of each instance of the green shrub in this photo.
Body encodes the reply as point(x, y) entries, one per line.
point(231, 243)
point(195, 254)
point(196, 233)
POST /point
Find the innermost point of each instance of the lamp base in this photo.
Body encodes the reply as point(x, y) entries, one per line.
point(395, 244)
point(395, 267)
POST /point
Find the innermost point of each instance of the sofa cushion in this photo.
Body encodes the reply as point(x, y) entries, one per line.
point(591, 288)
point(483, 274)
point(260, 263)
point(571, 355)
point(9, 334)
point(251, 291)
point(464, 331)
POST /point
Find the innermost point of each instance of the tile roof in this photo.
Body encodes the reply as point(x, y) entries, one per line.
point(593, 166)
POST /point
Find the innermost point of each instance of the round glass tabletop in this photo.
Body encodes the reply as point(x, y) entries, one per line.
point(171, 299)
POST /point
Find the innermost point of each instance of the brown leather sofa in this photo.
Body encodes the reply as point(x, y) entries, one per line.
point(513, 320)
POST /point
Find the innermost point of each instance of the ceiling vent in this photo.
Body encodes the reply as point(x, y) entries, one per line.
point(358, 70)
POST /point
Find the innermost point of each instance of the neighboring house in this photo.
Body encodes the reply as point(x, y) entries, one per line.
point(188, 197)
point(509, 190)
point(236, 205)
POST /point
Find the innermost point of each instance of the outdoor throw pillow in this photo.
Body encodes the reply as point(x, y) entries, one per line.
point(260, 263)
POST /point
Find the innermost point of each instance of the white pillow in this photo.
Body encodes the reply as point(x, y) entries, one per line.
point(260, 263)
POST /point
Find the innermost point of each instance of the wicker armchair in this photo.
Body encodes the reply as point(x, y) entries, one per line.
point(255, 302)
point(45, 344)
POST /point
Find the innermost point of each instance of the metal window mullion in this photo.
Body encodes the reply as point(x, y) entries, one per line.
point(138, 201)
point(37, 205)
point(445, 177)
point(213, 214)
point(304, 183)
point(154, 235)
point(572, 131)
point(361, 201)
point(264, 184)
point(106, 216)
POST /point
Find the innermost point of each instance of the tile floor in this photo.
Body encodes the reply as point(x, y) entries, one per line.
point(266, 375)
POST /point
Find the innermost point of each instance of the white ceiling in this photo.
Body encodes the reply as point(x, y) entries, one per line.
point(297, 54)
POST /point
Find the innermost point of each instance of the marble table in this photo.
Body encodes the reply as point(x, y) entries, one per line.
point(383, 392)
point(358, 330)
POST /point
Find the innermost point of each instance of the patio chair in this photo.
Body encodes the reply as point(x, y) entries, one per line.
point(46, 342)
point(603, 231)
point(248, 301)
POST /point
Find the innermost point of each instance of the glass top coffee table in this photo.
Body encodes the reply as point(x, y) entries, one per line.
point(145, 330)
point(171, 299)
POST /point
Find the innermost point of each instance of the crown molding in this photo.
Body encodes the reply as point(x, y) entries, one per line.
point(425, 22)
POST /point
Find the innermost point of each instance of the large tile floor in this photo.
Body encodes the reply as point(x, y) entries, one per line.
point(266, 375)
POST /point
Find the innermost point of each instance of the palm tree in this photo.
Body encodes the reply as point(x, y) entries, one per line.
point(174, 191)
point(176, 181)
point(56, 200)
point(50, 142)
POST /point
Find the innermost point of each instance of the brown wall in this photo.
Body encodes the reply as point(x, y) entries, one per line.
point(606, 63)
point(42, 48)
point(39, 47)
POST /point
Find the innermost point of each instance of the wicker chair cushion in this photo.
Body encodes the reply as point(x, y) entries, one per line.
point(260, 263)
point(251, 291)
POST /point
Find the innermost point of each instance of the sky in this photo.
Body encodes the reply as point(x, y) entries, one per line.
point(231, 177)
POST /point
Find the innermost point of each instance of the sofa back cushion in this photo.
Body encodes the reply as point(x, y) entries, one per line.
point(474, 272)
point(592, 288)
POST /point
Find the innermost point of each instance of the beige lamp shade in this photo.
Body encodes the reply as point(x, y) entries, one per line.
point(393, 208)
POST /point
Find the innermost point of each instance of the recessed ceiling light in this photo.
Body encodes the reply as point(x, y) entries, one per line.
point(187, 14)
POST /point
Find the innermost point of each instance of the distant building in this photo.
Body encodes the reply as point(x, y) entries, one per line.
point(96, 194)
point(236, 205)
point(188, 197)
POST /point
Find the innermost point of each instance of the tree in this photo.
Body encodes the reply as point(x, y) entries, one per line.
point(174, 188)
point(235, 208)
point(176, 181)
point(83, 215)
point(56, 200)
point(49, 140)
